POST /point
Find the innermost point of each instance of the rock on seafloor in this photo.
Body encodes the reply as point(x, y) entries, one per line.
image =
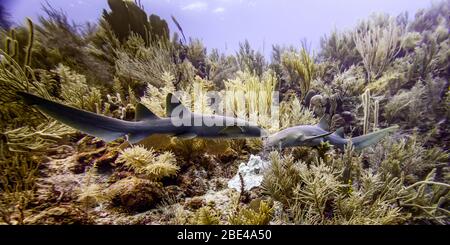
point(135, 194)
point(252, 173)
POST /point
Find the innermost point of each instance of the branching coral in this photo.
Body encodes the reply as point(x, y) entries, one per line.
point(250, 60)
point(389, 83)
point(406, 105)
point(196, 53)
point(292, 113)
point(430, 57)
point(378, 45)
point(16, 77)
point(372, 203)
point(340, 190)
point(17, 183)
point(248, 216)
point(282, 177)
point(252, 98)
point(318, 188)
point(408, 157)
point(75, 90)
point(220, 67)
point(427, 200)
point(428, 19)
point(147, 64)
point(60, 41)
point(43, 138)
point(300, 69)
point(340, 47)
point(205, 216)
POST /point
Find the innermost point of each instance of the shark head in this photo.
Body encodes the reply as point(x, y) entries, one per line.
point(294, 136)
point(246, 130)
point(281, 140)
point(253, 130)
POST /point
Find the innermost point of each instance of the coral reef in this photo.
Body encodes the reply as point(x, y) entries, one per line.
point(386, 70)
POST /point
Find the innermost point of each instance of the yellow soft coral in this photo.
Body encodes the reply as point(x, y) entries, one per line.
point(146, 162)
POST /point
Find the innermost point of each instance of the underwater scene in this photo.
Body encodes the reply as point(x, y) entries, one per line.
point(129, 117)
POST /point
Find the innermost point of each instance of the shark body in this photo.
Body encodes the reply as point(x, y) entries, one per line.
point(180, 123)
point(313, 135)
point(183, 123)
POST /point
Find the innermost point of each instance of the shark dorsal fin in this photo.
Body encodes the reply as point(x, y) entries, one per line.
point(340, 132)
point(173, 102)
point(323, 124)
point(143, 113)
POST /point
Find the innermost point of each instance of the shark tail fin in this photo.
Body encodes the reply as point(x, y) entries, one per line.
point(366, 140)
point(108, 129)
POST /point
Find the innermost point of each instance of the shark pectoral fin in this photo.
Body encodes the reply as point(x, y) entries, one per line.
point(143, 113)
point(232, 130)
point(136, 138)
point(309, 138)
point(186, 136)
